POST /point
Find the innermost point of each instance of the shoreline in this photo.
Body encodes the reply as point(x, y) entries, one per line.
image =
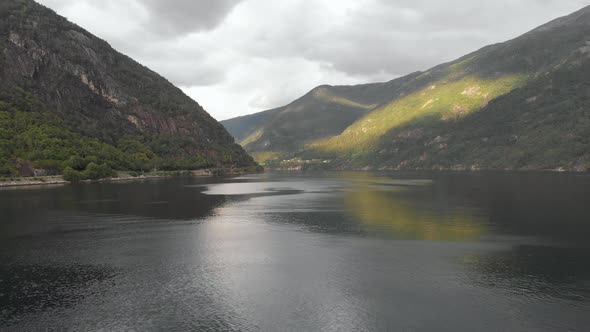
point(22, 182)
point(442, 170)
point(58, 179)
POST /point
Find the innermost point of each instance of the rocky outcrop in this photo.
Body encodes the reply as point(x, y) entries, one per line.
point(97, 91)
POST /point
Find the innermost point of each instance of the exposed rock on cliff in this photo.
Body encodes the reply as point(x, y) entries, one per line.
point(51, 66)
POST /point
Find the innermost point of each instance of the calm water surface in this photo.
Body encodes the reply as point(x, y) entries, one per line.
point(276, 252)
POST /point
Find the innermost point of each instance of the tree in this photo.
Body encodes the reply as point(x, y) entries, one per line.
point(72, 175)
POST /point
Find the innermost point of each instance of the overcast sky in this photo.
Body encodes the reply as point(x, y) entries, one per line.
point(237, 57)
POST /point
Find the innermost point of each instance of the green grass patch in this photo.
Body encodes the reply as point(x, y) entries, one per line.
point(266, 156)
point(442, 101)
point(252, 138)
point(323, 94)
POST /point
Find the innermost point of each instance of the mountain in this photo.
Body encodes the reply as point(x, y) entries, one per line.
point(521, 104)
point(68, 99)
point(323, 112)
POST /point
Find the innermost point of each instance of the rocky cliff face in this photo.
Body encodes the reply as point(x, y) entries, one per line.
point(98, 92)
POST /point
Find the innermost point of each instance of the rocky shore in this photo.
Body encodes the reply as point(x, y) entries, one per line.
point(45, 180)
point(58, 179)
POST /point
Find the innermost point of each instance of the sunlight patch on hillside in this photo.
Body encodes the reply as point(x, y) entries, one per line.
point(252, 138)
point(265, 156)
point(323, 94)
point(440, 101)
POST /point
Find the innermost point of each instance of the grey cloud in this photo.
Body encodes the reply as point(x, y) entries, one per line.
point(55, 4)
point(267, 53)
point(167, 18)
point(399, 37)
point(190, 74)
point(173, 17)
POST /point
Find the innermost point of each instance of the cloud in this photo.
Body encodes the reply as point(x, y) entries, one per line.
point(166, 17)
point(172, 17)
point(241, 56)
point(250, 88)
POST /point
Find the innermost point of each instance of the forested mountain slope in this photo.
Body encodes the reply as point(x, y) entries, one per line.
point(323, 112)
point(67, 99)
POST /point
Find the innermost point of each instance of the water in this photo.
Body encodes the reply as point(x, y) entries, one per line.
point(276, 252)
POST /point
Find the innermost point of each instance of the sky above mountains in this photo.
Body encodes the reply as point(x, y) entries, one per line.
point(237, 57)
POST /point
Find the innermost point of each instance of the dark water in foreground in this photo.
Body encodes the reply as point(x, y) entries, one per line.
point(335, 252)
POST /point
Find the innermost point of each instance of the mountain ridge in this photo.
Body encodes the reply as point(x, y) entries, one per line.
point(443, 96)
point(59, 76)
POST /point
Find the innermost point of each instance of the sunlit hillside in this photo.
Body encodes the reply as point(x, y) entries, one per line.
point(445, 100)
point(482, 111)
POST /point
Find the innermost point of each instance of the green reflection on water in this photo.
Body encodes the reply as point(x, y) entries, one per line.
point(384, 207)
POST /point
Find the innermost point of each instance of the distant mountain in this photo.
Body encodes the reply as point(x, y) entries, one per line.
point(323, 112)
point(67, 99)
point(522, 104)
